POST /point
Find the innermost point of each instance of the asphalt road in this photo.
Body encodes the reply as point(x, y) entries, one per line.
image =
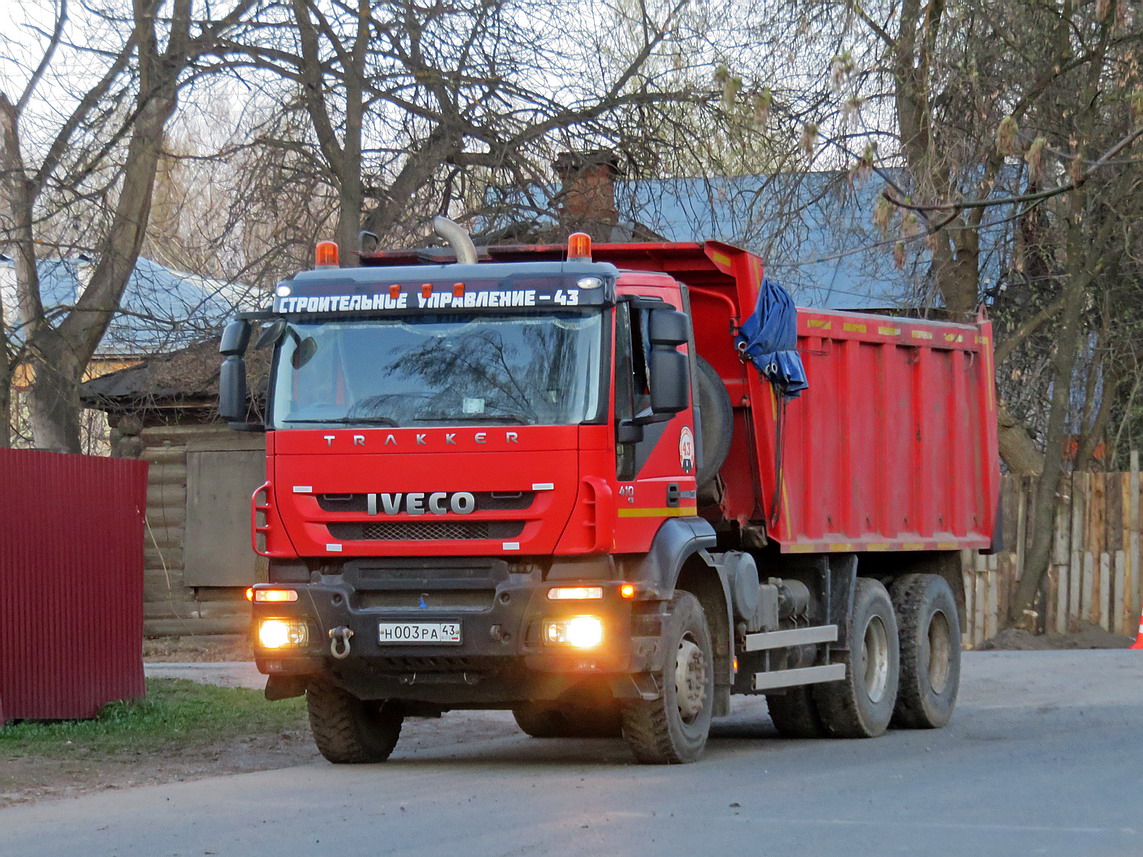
point(1044, 756)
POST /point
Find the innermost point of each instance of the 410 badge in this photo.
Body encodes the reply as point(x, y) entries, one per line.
point(405, 633)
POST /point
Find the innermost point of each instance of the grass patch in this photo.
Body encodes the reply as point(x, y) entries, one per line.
point(176, 711)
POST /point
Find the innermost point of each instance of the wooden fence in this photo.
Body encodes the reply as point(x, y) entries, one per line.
point(1094, 574)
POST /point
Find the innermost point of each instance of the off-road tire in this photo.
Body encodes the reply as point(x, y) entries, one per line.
point(861, 704)
point(657, 731)
point(551, 720)
point(795, 714)
point(348, 730)
point(928, 628)
point(540, 720)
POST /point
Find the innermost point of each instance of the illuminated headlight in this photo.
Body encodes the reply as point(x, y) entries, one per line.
point(579, 632)
point(283, 291)
point(282, 633)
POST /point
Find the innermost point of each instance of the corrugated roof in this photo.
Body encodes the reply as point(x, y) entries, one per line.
point(161, 309)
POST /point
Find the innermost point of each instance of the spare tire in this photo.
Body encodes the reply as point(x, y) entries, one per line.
point(717, 425)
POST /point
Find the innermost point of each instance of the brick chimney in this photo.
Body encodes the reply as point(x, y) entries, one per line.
point(586, 202)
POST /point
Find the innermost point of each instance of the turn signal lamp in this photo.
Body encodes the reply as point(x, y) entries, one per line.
point(579, 632)
point(575, 593)
point(579, 247)
point(627, 590)
point(325, 255)
point(458, 290)
point(274, 596)
point(249, 593)
point(282, 633)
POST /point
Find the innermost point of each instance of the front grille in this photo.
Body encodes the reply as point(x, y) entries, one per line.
point(486, 501)
point(426, 531)
point(435, 599)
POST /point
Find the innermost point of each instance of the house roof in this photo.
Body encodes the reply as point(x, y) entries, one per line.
point(814, 231)
point(161, 309)
point(188, 375)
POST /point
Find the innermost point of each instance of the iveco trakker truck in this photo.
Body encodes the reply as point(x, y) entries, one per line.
point(607, 488)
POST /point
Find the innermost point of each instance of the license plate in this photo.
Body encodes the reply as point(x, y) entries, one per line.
point(418, 632)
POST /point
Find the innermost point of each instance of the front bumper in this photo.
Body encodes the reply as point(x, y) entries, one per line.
point(501, 658)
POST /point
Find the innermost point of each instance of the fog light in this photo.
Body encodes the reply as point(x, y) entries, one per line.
point(269, 596)
point(282, 633)
point(575, 593)
point(580, 632)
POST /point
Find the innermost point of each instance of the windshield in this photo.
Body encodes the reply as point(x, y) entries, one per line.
point(543, 369)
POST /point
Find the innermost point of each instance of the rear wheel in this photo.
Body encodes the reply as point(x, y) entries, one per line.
point(929, 634)
point(348, 730)
point(861, 704)
point(674, 728)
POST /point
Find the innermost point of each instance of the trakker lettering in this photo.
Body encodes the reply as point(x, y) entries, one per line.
point(420, 503)
point(421, 438)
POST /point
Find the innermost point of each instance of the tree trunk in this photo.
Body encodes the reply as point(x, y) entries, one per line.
point(1043, 521)
point(53, 403)
point(1017, 448)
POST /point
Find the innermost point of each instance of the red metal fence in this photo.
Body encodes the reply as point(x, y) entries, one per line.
point(71, 583)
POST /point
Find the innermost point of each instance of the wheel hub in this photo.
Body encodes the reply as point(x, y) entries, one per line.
point(876, 645)
point(690, 680)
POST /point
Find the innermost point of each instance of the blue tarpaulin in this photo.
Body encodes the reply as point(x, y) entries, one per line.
point(769, 337)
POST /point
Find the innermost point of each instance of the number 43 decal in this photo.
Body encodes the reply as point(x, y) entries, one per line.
point(569, 297)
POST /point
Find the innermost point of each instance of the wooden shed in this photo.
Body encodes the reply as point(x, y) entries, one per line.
point(198, 556)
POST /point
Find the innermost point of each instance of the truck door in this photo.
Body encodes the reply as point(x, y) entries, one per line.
point(655, 462)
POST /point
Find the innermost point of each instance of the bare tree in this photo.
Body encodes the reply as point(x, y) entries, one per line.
point(415, 108)
point(106, 149)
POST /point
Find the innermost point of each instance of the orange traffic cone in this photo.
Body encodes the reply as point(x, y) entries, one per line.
point(1139, 639)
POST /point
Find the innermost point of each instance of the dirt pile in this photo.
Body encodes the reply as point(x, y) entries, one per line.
point(1084, 635)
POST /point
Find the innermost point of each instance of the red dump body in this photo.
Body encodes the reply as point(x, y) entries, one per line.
point(892, 447)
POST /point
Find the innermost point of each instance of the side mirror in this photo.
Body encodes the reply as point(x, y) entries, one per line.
point(304, 352)
point(232, 376)
point(668, 327)
point(235, 338)
point(232, 389)
point(271, 333)
point(670, 381)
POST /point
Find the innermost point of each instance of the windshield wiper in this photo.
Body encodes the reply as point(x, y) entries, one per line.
point(513, 419)
point(379, 421)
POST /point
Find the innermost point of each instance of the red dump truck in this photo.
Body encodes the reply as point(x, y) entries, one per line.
point(555, 480)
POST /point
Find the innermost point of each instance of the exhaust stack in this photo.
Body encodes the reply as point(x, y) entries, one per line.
point(457, 236)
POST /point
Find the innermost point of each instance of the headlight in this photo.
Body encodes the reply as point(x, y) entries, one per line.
point(580, 632)
point(282, 633)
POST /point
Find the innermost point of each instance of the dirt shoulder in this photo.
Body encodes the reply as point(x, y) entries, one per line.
point(200, 649)
point(28, 779)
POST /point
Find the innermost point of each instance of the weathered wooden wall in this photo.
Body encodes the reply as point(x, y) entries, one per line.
point(171, 607)
point(1095, 573)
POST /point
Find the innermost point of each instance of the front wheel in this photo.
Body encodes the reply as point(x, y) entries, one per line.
point(673, 728)
point(861, 704)
point(348, 730)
